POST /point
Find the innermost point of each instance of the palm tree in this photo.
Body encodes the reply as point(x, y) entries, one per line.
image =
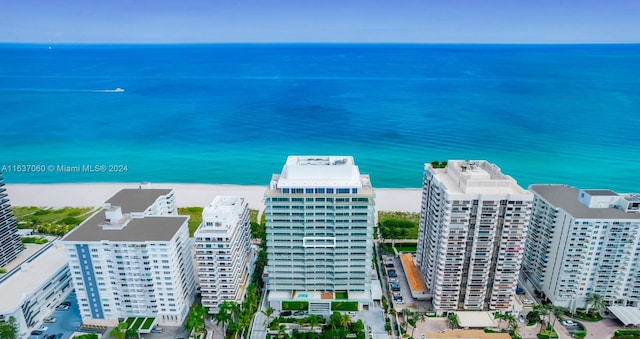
point(453, 320)
point(196, 319)
point(498, 315)
point(543, 310)
point(224, 315)
point(131, 333)
point(557, 311)
point(268, 312)
point(513, 328)
point(413, 318)
point(345, 321)
point(595, 301)
point(281, 331)
point(120, 331)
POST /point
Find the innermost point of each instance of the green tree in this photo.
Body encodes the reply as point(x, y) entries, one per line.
point(9, 329)
point(281, 331)
point(533, 316)
point(196, 319)
point(453, 320)
point(499, 316)
point(543, 311)
point(557, 312)
point(595, 301)
point(225, 314)
point(131, 333)
point(268, 312)
point(120, 331)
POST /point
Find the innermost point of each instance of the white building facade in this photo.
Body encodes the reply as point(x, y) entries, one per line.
point(319, 224)
point(30, 292)
point(471, 237)
point(223, 251)
point(10, 243)
point(133, 259)
point(582, 242)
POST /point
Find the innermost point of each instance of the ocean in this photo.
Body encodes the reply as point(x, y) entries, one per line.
point(232, 113)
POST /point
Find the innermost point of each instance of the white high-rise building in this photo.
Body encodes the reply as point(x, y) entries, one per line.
point(31, 291)
point(319, 220)
point(10, 243)
point(223, 251)
point(472, 230)
point(133, 259)
point(582, 242)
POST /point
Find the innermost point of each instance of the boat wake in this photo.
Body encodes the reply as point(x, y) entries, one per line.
point(51, 90)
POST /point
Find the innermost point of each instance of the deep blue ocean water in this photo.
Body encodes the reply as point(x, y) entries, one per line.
point(230, 114)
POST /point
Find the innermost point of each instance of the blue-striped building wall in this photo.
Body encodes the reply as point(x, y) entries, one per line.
point(90, 283)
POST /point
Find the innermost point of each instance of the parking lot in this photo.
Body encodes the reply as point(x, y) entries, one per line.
point(67, 320)
point(407, 299)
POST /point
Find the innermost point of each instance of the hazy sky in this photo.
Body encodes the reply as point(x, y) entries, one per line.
point(535, 21)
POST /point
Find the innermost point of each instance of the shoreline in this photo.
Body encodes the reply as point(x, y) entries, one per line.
point(187, 195)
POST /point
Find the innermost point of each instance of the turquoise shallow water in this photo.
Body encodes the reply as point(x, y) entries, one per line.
point(232, 113)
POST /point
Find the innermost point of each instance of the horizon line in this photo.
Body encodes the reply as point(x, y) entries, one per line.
point(315, 43)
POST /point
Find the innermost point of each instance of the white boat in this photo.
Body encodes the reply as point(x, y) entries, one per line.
point(118, 89)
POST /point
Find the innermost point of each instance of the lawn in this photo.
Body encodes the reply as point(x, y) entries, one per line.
point(342, 295)
point(195, 217)
point(626, 334)
point(137, 323)
point(407, 248)
point(295, 305)
point(147, 323)
point(398, 225)
point(344, 306)
point(56, 221)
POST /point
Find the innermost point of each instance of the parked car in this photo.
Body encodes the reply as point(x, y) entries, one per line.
point(299, 313)
point(49, 320)
point(156, 329)
point(388, 264)
point(395, 288)
point(66, 303)
point(59, 336)
point(520, 290)
point(569, 323)
point(527, 301)
point(43, 329)
point(392, 274)
point(393, 280)
point(36, 332)
point(285, 313)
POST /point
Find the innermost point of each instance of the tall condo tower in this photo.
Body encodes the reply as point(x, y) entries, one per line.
point(10, 244)
point(583, 242)
point(133, 259)
point(319, 220)
point(473, 225)
point(223, 251)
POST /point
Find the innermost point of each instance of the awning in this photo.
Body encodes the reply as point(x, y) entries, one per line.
point(628, 315)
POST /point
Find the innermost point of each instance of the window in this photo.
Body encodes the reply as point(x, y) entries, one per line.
point(330, 190)
point(285, 190)
point(343, 190)
point(309, 191)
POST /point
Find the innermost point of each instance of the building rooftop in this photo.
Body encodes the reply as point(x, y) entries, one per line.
point(475, 319)
point(566, 198)
point(224, 213)
point(600, 192)
point(149, 228)
point(136, 199)
point(475, 177)
point(320, 171)
point(30, 277)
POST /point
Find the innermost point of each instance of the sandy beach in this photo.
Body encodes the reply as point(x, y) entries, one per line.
point(187, 195)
